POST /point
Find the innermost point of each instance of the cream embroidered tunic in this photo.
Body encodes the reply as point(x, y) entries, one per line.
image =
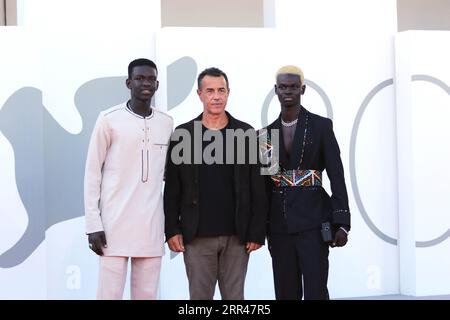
point(123, 181)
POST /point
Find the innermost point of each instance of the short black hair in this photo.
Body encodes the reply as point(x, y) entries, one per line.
point(140, 62)
point(213, 72)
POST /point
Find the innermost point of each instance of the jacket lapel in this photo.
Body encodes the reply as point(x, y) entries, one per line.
point(297, 145)
point(195, 167)
point(236, 167)
point(283, 158)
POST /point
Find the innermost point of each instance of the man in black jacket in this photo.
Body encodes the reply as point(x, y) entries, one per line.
point(303, 219)
point(214, 197)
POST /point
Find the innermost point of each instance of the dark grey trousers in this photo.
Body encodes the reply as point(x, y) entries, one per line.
point(220, 259)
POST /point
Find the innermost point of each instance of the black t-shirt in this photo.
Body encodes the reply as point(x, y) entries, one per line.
point(216, 184)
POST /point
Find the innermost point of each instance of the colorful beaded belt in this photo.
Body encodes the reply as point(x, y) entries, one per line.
point(297, 178)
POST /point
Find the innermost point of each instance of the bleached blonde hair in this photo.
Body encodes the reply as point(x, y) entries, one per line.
point(291, 69)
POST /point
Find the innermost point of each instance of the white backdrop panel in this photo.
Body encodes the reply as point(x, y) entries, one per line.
point(424, 110)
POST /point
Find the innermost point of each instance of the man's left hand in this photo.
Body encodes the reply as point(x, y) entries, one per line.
point(340, 239)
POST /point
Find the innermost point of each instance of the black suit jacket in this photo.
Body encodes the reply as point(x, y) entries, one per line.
point(294, 209)
point(181, 193)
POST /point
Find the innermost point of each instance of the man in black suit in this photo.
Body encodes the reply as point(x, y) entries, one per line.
point(300, 209)
point(215, 205)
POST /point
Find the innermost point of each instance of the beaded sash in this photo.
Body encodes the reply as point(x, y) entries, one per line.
point(297, 178)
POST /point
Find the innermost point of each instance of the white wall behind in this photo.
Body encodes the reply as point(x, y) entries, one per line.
point(84, 14)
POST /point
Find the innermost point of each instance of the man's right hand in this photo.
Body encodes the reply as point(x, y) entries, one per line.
point(176, 243)
point(97, 240)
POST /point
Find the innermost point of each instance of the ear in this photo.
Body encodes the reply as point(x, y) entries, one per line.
point(199, 92)
point(275, 88)
point(127, 82)
point(303, 89)
point(157, 85)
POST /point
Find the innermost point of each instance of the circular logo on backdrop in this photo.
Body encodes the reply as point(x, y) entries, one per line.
point(380, 234)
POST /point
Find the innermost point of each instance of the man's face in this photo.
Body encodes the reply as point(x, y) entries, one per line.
point(289, 90)
point(214, 94)
point(143, 83)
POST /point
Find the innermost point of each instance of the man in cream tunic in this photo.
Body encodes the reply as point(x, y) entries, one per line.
point(123, 188)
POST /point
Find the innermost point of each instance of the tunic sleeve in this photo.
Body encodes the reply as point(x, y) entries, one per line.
point(98, 147)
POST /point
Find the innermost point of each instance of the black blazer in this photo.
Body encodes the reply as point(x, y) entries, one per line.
point(307, 207)
point(181, 194)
